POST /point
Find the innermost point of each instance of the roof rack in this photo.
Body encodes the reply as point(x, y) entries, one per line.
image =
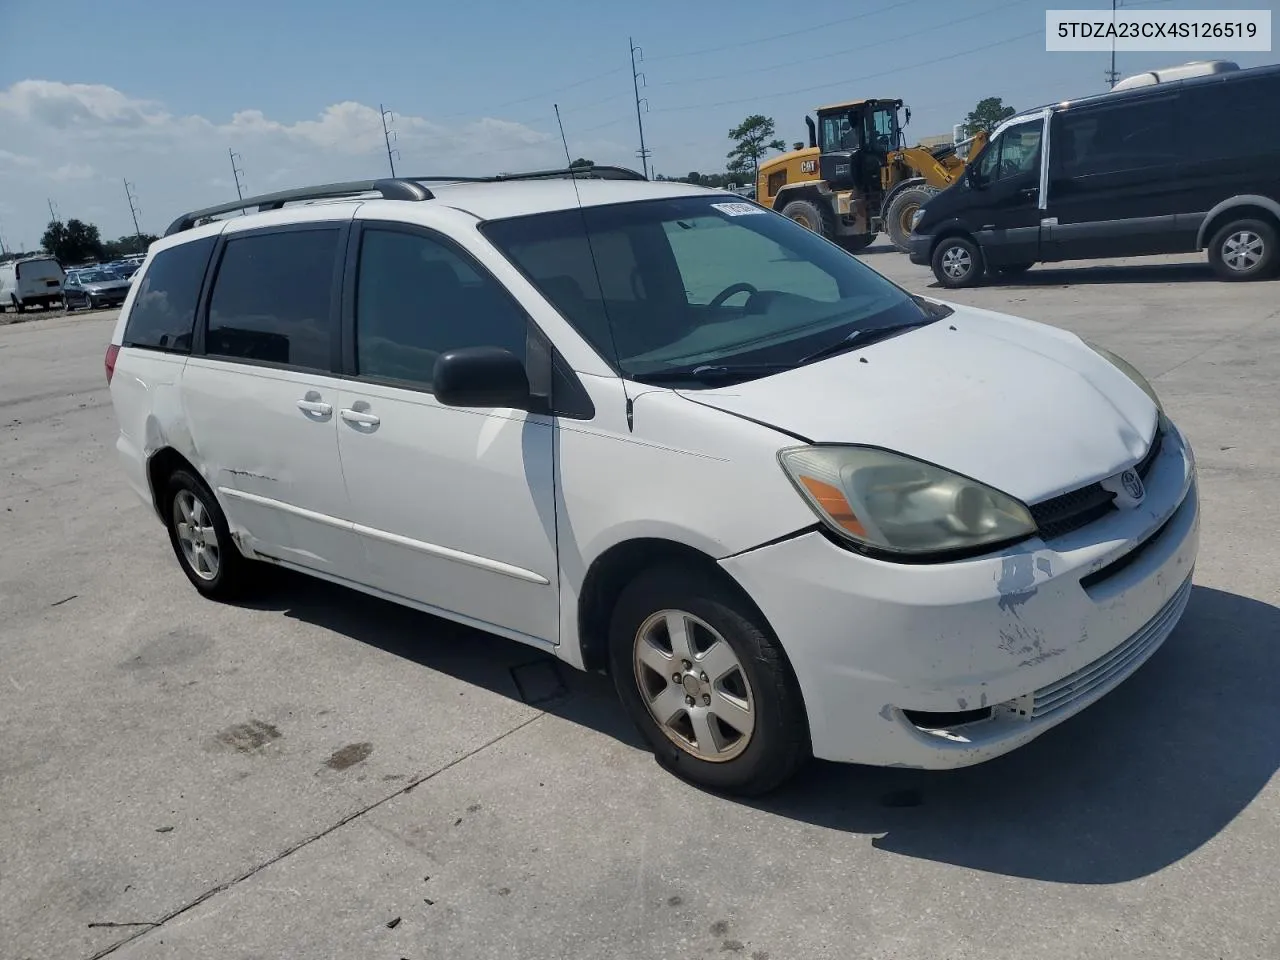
point(397, 188)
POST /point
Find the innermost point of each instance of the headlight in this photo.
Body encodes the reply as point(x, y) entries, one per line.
point(899, 505)
point(1129, 370)
point(917, 217)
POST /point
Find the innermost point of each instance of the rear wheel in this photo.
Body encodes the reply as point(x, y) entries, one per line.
point(809, 214)
point(1244, 250)
point(706, 682)
point(202, 540)
point(902, 208)
point(957, 262)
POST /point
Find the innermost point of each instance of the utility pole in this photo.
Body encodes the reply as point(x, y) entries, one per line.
point(1113, 77)
point(133, 209)
point(635, 85)
point(567, 159)
point(388, 135)
point(236, 171)
point(53, 211)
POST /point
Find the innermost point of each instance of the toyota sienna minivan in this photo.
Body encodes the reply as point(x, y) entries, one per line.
point(661, 431)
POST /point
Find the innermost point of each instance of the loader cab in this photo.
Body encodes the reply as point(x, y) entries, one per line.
point(853, 140)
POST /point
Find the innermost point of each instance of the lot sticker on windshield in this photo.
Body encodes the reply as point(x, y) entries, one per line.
point(738, 209)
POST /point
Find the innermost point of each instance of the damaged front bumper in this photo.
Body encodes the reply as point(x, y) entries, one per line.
point(946, 665)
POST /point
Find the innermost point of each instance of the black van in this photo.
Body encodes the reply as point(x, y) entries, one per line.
point(1165, 166)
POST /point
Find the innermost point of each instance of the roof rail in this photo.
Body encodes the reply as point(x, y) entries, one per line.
point(397, 189)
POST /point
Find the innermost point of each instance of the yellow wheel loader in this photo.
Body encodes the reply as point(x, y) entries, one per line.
point(856, 178)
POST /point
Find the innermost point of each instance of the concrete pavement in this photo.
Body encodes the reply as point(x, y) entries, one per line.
point(324, 775)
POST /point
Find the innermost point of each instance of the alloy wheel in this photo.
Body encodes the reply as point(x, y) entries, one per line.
point(1242, 250)
point(694, 686)
point(956, 262)
point(196, 535)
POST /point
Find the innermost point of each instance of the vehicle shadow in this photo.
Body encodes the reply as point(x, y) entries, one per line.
point(1128, 787)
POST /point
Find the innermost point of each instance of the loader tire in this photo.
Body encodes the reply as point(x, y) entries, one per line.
point(897, 219)
point(812, 215)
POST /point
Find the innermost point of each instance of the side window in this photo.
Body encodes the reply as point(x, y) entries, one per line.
point(1128, 136)
point(271, 299)
point(417, 298)
point(1014, 153)
point(164, 308)
point(1223, 118)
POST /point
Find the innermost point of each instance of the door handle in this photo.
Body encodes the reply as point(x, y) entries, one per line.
point(359, 417)
point(1029, 192)
point(315, 406)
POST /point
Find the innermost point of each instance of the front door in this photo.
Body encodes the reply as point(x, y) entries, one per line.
point(1006, 216)
point(261, 398)
point(456, 507)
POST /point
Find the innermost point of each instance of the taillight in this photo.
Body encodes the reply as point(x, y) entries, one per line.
point(110, 361)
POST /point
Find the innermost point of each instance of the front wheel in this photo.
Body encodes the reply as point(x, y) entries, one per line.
point(957, 262)
point(902, 209)
point(1244, 250)
point(809, 214)
point(706, 682)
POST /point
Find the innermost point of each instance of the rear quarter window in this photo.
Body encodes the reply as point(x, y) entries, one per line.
point(164, 309)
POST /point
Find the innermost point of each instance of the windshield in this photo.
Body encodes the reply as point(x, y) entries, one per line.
point(682, 283)
point(884, 127)
point(96, 276)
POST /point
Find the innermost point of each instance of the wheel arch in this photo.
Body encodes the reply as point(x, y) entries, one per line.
point(809, 190)
point(1263, 208)
point(951, 228)
point(617, 566)
point(904, 185)
point(161, 465)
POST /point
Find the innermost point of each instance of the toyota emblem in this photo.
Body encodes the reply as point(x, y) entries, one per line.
point(1132, 484)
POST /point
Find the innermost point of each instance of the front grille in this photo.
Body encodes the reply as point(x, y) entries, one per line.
point(1060, 515)
point(1113, 667)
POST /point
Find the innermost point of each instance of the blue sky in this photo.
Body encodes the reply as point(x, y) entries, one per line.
point(159, 91)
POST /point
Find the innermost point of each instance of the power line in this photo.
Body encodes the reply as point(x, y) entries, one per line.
point(538, 96)
point(846, 81)
point(878, 44)
point(772, 38)
point(635, 86)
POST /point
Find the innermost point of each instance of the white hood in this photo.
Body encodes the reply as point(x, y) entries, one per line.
point(1022, 407)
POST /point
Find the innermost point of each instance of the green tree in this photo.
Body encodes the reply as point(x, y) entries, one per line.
point(987, 115)
point(693, 177)
point(73, 241)
point(581, 162)
point(134, 243)
point(753, 138)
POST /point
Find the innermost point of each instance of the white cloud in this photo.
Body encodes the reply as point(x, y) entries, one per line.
point(74, 142)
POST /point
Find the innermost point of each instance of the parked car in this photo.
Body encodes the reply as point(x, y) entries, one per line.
point(30, 282)
point(1120, 175)
point(658, 430)
point(94, 289)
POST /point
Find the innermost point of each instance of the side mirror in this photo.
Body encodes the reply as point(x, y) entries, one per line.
point(973, 178)
point(480, 377)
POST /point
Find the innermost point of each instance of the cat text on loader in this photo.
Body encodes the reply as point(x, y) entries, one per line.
point(856, 178)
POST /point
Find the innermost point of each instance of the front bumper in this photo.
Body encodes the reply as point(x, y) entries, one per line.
point(946, 665)
point(918, 248)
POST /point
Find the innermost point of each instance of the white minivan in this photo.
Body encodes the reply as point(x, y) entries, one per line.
point(30, 282)
point(659, 430)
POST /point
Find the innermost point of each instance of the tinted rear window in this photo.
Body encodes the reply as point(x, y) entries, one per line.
point(164, 308)
point(1231, 116)
point(272, 299)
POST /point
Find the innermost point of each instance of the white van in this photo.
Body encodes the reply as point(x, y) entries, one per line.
point(34, 281)
point(665, 432)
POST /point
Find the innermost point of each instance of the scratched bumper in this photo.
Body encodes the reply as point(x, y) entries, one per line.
point(871, 640)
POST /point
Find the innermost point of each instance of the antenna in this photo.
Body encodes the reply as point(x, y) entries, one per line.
point(236, 172)
point(635, 86)
point(388, 135)
point(562, 137)
point(133, 208)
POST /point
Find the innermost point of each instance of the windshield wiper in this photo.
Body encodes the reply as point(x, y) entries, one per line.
point(711, 372)
point(862, 337)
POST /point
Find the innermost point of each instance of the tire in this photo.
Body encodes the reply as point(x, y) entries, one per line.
point(812, 215)
point(856, 242)
point(957, 262)
point(752, 671)
point(226, 578)
point(1244, 250)
point(897, 218)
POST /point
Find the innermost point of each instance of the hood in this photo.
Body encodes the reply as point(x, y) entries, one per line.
point(106, 286)
point(1022, 407)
